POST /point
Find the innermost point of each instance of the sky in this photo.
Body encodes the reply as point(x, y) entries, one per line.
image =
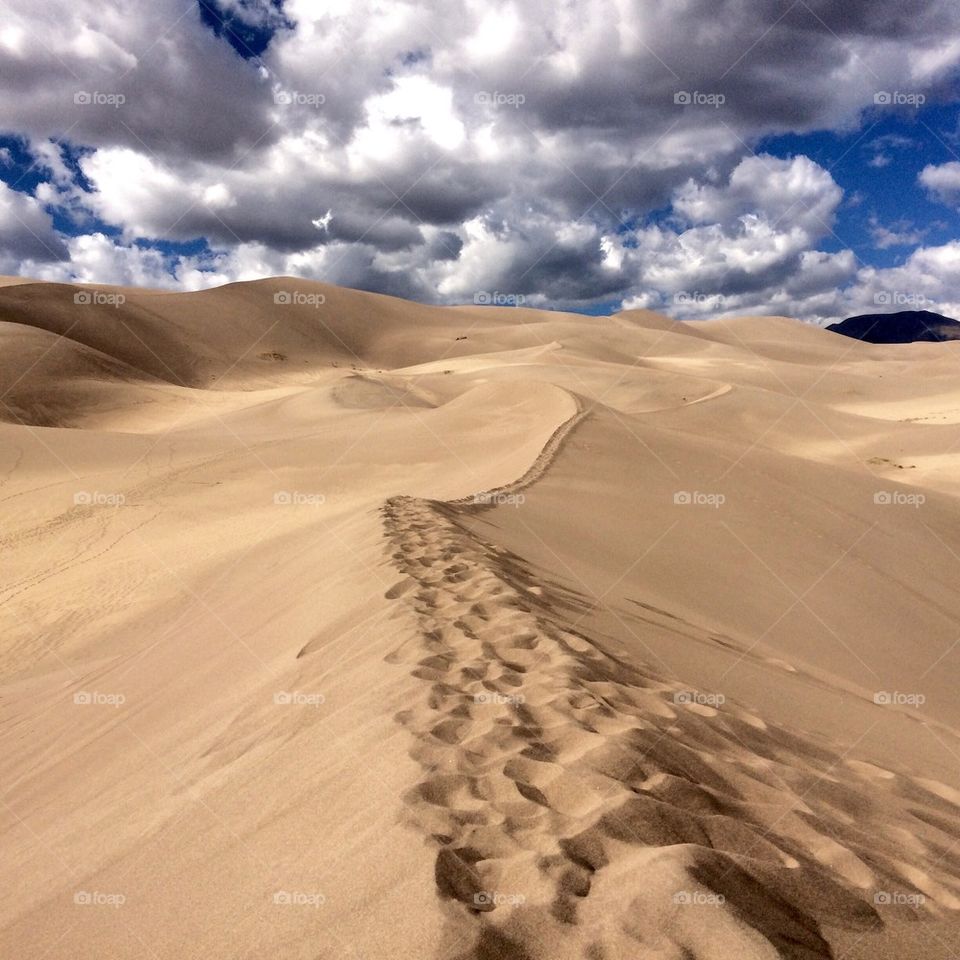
point(697, 157)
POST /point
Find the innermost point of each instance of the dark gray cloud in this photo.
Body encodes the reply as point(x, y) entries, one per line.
point(439, 149)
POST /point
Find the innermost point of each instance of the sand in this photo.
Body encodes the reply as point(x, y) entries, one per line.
point(336, 626)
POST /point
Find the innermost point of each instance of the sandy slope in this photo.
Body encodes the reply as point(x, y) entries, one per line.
point(338, 626)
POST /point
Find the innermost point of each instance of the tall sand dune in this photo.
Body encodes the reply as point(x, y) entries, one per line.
point(337, 626)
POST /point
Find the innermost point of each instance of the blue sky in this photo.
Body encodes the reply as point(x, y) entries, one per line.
point(445, 153)
point(248, 35)
point(878, 165)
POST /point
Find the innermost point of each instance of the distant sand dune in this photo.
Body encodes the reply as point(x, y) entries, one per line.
point(336, 626)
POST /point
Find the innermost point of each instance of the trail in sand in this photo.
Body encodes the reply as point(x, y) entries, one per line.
point(581, 806)
point(634, 640)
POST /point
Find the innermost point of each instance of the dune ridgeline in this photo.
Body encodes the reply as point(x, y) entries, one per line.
point(337, 626)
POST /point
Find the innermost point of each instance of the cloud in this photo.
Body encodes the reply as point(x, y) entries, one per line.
point(440, 151)
point(929, 279)
point(96, 258)
point(26, 231)
point(902, 234)
point(741, 242)
point(798, 191)
point(158, 82)
point(943, 182)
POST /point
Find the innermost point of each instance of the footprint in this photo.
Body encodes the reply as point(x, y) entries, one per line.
point(457, 879)
point(400, 588)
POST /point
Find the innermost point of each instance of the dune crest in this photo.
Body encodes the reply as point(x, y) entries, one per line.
point(335, 625)
point(582, 806)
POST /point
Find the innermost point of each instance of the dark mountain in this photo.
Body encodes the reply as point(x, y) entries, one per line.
point(908, 326)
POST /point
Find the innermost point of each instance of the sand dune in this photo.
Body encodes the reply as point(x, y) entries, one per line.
point(340, 626)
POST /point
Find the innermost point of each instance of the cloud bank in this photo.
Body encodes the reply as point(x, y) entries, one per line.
point(579, 154)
